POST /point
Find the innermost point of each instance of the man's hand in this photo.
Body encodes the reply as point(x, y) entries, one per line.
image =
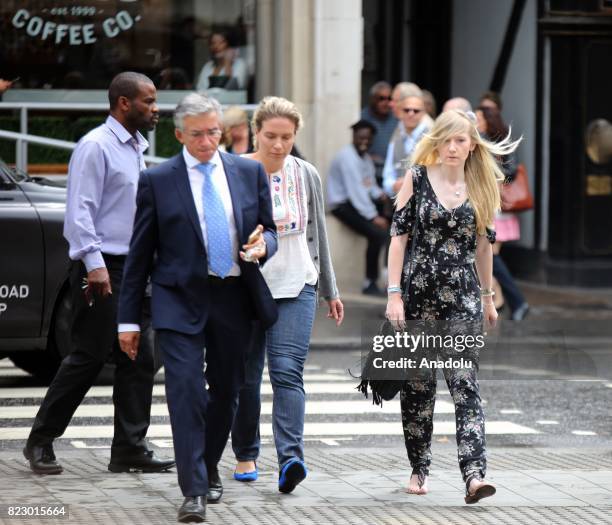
point(98, 283)
point(255, 248)
point(336, 310)
point(381, 222)
point(128, 341)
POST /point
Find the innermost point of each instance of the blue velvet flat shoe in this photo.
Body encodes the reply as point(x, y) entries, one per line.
point(291, 475)
point(246, 476)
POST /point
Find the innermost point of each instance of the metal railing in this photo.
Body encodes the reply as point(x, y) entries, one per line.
point(23, 138)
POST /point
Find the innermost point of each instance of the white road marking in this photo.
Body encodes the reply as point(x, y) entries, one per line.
point(348, 387)
point(546, 422)
point(510, 411)
point(362, 428)
point(364, 406)
point(583, 433)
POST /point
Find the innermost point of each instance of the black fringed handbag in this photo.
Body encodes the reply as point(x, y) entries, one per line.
point(386, 389)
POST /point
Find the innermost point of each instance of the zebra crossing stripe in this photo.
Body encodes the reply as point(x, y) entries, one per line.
point(312, 408)
point(362, 428)
point(346, 387)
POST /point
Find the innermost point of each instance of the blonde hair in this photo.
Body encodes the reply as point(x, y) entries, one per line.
point(232, 117)
point(275, 107)
point(482, 172)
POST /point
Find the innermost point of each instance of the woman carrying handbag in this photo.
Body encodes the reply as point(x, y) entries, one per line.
point(459, 197)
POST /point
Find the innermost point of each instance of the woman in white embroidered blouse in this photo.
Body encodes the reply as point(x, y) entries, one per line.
point(300, 269)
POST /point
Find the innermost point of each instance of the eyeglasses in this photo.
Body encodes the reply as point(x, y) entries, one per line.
point(213, 133)
point(380, 98)
point(412, 110)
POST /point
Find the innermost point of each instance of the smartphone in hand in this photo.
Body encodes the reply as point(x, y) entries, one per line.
point(253, 238)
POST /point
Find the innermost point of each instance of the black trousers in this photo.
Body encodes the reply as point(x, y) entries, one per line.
point(94, 339)
point(377, 237)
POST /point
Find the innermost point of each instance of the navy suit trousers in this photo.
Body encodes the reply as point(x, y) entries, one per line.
point(202, 418)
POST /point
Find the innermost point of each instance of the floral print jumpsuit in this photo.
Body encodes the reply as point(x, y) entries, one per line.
point(443, 286)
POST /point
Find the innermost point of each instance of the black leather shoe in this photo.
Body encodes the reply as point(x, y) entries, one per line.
point(144, 461)
point(193, 510)
point(42, 459)
point(215, 487)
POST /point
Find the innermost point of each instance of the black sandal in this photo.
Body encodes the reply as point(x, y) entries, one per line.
point(481, 492)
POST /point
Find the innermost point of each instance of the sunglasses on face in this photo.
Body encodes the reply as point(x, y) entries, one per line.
point(412, 110)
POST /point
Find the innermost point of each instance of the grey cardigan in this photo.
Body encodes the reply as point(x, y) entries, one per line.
point(316, 231)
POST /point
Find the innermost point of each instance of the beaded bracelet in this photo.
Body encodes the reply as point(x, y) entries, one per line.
point(487, 292)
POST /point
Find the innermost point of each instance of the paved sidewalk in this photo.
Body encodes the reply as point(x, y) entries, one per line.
point(345, 486)
point(547, 303)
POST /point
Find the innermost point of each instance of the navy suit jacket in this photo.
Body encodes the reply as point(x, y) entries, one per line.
point(167, 244)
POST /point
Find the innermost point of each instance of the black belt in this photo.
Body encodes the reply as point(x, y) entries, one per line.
point(216, 280)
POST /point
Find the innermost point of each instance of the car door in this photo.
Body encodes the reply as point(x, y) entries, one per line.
point(21, 262)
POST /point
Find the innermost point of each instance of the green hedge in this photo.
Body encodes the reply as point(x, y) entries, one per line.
point(72, 129)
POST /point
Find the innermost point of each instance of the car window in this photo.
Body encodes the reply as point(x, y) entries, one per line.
point(5, 172)
point(12, 175)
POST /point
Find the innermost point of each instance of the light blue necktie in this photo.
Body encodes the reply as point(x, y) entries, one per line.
point(217, 229)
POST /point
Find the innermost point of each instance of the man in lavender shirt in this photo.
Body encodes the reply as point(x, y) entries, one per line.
point(100, 207)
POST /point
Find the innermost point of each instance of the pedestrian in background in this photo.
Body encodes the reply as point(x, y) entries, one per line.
point(357, 201)
point(491, 99)
point(507, 226)
point(455, 180)
point(460, 103)
point(236, 133)
point(300, 271)
point(430, 105)
point(412, 127)
point(100, 207)
point(378, 113)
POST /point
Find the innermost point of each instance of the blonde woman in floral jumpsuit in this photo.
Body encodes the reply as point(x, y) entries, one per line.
point(457, 176)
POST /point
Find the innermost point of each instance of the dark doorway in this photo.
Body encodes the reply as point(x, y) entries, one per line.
point(407, 40)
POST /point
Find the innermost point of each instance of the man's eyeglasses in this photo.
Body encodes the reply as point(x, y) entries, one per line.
point(214, 133)
point(412, 110)
point(380, 98)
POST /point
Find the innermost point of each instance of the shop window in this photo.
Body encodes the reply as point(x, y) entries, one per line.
point(80, 45)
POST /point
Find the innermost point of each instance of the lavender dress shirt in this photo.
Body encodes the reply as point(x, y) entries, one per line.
point(101, 202)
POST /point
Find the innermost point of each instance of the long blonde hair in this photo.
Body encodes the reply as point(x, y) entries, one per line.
point(482, 172)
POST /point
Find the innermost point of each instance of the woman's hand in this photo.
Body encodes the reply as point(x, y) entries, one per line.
point(395, 311)
point(336, 310)
point(489, 313)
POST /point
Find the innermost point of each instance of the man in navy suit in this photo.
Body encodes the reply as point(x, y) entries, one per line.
point(194, 212)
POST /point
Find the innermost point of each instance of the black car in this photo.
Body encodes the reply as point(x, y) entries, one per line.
point(35, 299)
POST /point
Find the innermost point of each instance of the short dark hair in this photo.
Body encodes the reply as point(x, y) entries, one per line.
point(363, 124)
point(126, 84)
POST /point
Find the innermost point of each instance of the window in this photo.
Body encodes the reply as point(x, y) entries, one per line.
point(81, 45)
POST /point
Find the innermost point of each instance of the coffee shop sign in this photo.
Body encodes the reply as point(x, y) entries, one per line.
point(75, 34)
